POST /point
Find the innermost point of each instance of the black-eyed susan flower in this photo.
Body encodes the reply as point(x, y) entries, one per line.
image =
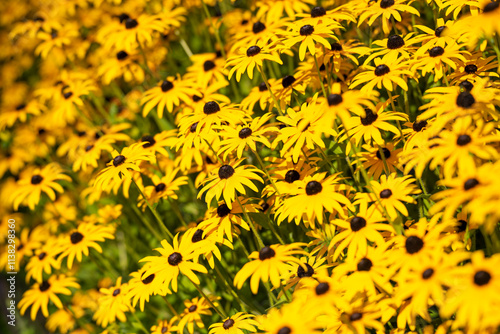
point(38, 180)
point(39, 295)
point(387, 74)
point(474, 299)
point(226, 221)
point(304, 128)
point(44, 259)
point(229, 179)
point(247, 58)
point(438, 59)
point(168, 94)
point(367, 225)
point(163, 187)
point(270, 263)
point(369, 126)
point(207, 68)
point(120, 167)
point(378, 160)
point(141, 287)
point(86, 236)
point(390, 192)
point(236, 140)
point(192, 313)
point(235, 324)
point(290, 318)
point(308, 35)
point(165, 326)
point(113, 303)
point(386, 10)
point(314, 195)
point(179, 258)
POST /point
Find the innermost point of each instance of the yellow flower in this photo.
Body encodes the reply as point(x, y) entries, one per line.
point(270, 263)
point(308, 35)
point(39, 295)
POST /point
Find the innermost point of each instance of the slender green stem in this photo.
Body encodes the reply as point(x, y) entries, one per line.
point(216, 31)
point(261, 163)
point(231, 288)
point(177, 212)
point(219, 311)
point(264, 78)
point(170, 307)
point(146, 222)
point(141, 325)
point(155, 213)
point(252, 226)
point(319, 77)
point(214, 152)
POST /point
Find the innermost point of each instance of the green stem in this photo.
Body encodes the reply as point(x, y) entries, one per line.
point(219, 311)
point(264, 78)
point(319, 76)
point(261, 163)
point(141, 325)
point(178, 213)
point(170, 307)
point(250, 222)
point(155, 213)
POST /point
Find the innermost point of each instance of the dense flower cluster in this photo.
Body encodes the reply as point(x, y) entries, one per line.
point(261, 166)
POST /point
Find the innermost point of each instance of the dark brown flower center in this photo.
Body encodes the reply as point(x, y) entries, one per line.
point(482, 278)
point(288, 81)
point(118, 160)
point(318, 12)
point(192, 308)
point(116, 292)
point(131, 23)
point(208, 65)
point(436, 51)
point(463, 140)
point(258, 27)
point(245, 133)
point(67, 95)
point(322, 288)
point(466, 85)
point(148, 141)
point(462, 227)
point(414, 244)
point(228, 323)
point(387, 154)
point(121, 55)
point(336, 46)
point(470, 69)
point(266, 253)
point(285, 330)
point(291, 176)
point(301, 272)
point(88, 148)
point(76, 237)
point(418, 126)
point(160, 187)
point(334, 99)
point(470, 183)
point(44, 286)
point(20, 107)
point(174, 259)
point(42, 255)
point(439, 31)
point(364, 264)
point(369, 118)
point(357, 316)
point(428, 273)
point(313, 188)
point(262, 87)
point(148, 279)
point(253, 51)
point(395, 42)
point(197, 236)
point(386, 193)
point(211, 108)
point(36, 179)
point(193, 127)
point(465, 100)
point(306, 30)
point(381, 70)
point(491, 7)
point(166, 86)
point(223, 210)
point(357, 223)
point(225, 172)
